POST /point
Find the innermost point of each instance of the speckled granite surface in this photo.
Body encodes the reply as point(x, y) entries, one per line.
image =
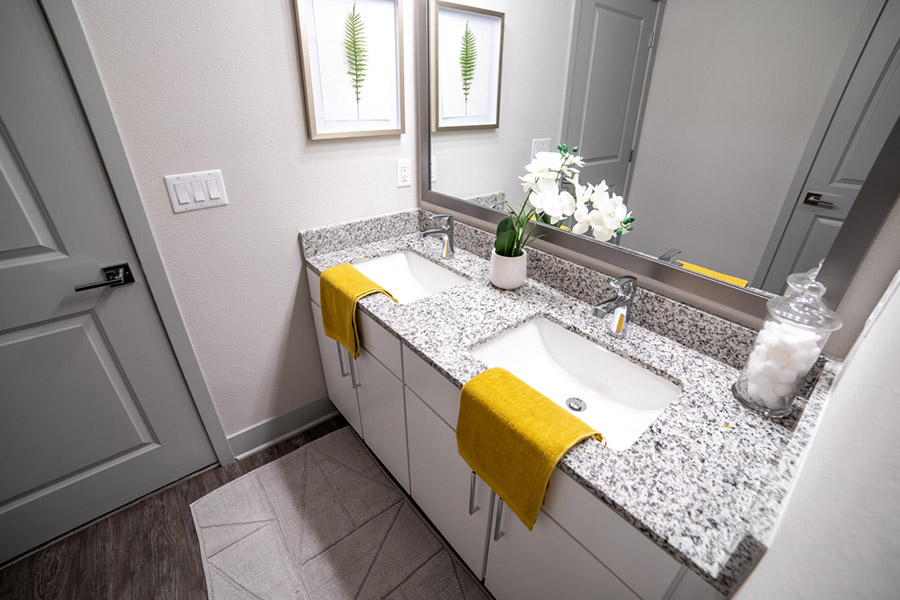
point(707, 481)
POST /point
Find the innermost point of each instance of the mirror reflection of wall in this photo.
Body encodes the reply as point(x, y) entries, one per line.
point(734, 96)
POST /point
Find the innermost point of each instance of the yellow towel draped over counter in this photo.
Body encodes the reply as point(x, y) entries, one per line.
point(513, 436)
point(340, 289)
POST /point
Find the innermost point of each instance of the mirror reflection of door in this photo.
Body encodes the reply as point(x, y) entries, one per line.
point(609, 74)
point(868, 109)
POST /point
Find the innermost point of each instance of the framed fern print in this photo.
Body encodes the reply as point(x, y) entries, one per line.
point(352, 65)
point(467, 58)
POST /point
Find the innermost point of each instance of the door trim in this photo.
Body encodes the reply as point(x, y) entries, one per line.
point(858, 43)
point(71, 40)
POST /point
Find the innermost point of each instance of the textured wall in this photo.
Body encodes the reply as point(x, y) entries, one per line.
point(840, 534)
point(733, 99)
point(208, 84)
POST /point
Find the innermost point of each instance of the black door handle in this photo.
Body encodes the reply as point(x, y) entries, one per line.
point(116, 275)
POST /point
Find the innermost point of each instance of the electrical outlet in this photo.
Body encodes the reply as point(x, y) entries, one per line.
point(404, 172)
point(540, 145)
point(433, 168)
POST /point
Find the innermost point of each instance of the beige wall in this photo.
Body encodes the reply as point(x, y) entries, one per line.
point(208, 84)
point(733, 99)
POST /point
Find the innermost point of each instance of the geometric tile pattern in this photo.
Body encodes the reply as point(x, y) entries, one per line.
point(323, 523)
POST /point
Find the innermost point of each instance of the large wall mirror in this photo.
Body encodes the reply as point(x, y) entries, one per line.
point(740, 133)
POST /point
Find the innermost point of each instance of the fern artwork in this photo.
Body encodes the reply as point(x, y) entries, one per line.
point(467, 58)
point(355, 52)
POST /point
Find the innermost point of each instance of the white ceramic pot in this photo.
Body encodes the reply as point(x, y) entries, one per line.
point(508, 272)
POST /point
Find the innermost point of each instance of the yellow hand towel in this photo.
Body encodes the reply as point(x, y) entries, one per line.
point(714, 274)
point(512, 436)
point(340, 288)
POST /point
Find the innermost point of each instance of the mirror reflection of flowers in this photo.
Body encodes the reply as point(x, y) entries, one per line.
point(553, 193)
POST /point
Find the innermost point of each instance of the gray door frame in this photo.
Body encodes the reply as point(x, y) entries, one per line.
point(76, 54)
point(841, 80)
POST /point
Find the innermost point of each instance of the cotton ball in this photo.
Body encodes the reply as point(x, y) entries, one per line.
point(786, 376)
point(770, 398)
point(780, 356)
point(769, 370)
point(783, 389)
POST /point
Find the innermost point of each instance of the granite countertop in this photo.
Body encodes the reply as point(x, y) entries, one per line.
point(707, 481)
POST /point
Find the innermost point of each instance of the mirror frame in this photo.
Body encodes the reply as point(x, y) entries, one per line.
point(873, 203)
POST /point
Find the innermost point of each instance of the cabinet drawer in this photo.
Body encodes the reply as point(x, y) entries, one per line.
point(640, 563)
point(382, 344)
point(437, 391)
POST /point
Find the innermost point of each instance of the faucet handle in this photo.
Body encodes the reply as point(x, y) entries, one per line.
point(448, 219)
point(625, 284)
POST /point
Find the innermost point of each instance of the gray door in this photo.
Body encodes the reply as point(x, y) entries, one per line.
point(867, 111)
point(608, 79)
point(93, 408)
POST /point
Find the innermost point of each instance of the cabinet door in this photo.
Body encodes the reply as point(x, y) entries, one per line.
point(441, 482)
point(340, 386)
point(383, 417)
point(546, 562)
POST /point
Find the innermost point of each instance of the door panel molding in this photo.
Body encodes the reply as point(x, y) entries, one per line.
point(76, 53)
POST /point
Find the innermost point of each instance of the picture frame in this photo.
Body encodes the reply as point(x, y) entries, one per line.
point(351, 54)
point(466, 66)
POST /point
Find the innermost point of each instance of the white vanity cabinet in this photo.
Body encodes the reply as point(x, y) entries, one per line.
point(406, 411)
point(578, 544)
point(369, 390)
point(441, 483)
point(336, 366)
point(546, 562)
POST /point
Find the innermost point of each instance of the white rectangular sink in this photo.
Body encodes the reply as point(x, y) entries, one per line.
point(408, 276)
point(621, 399)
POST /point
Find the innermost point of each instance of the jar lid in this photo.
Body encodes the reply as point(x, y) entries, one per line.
point(797, 281)
point(805, 307)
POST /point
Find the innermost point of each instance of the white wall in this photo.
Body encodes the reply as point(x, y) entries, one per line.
point(733, 98)
point(533, 89)
point(208, 84)
point(840, 534)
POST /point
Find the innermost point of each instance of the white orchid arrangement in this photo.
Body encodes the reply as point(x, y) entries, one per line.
point(550, 177)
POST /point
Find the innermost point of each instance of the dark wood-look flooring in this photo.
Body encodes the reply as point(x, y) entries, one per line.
point(147, 550)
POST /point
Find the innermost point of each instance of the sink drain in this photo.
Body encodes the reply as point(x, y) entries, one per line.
point(576, 404)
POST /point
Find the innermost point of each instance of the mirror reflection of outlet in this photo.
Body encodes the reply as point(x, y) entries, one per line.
point(404, 172)
point(433, 168)
point(540, 145)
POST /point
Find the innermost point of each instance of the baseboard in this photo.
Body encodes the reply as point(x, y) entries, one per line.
point(268, 433)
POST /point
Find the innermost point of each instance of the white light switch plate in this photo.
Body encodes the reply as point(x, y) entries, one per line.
point(433, 168)
point(540, 145)
point(193, 191)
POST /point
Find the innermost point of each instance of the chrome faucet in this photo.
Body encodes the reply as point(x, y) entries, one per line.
point(445, 233)
point(625, 286)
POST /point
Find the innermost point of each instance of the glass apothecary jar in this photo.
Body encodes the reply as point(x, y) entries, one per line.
point(787, 347)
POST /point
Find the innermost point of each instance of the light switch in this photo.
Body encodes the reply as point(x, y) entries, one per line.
point(193, 191)
point(213, 189)
point(199, 196)
point(182, 192)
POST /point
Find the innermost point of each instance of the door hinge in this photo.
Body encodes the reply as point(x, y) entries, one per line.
point(631, 155)
point(652, 39)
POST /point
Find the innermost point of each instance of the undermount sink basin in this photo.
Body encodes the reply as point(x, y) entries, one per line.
point(408, 276)
point(620, 399)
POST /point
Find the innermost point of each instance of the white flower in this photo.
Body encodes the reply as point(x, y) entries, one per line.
point(569, 162)
point(607, 215)
point(545, 165)
point(546, 198)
